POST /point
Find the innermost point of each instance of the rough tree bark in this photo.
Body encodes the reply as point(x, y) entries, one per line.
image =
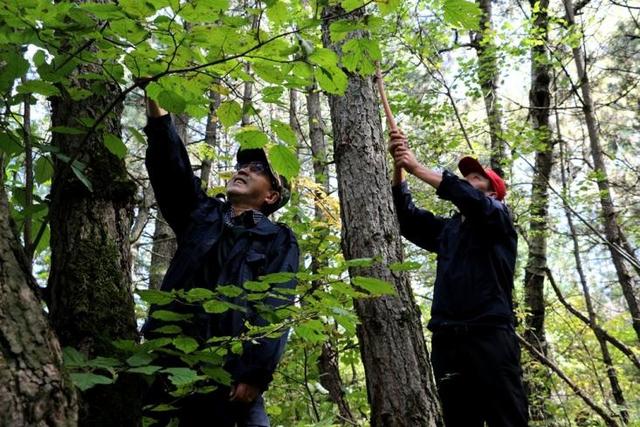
point(488, 77)
point(90, 298)
point(398, 372)
point(618, 244)
point(538, 376)
point(34, 390)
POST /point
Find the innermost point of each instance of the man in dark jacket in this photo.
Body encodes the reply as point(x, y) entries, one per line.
point(222, 243)
point(475, 352)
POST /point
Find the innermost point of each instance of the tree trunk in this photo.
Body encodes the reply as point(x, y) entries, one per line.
point(27, 235)
point(210, 138)
point(90, 298)
point(617, 241)
point(34, 390)
point(397, 368)
point(328, 362)
point(488, 77)
point(538, 377)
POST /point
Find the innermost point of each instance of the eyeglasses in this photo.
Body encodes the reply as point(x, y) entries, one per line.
point(261, 168)
point(255, 167)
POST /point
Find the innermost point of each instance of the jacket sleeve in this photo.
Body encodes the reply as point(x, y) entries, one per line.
point(475, 205)
point(259, 360)
point(177, 190)
point(419, 226)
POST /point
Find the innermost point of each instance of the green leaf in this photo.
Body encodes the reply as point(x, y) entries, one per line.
point(462, 14)
point(278, 13)
point(85, 380)
point(324, 58)
point(104, 362)
point(171, 101)
point(73, 358)
point(103, 10)
point(360, 262)
point(170, 315)
point(12, 67)
point(185, 344)
point(168, 329)
point(38, 86)
point(78, 171)
point(182, 376)
point(272, 94)
point(145, 370)
point(250, 285)
point(153, 296)
point(139, 359)
point(9, 144)
point(349, 5)
point(125, 345)
point(284, 132)
point(251, 138)
point(115, 145)
point(282, 277)
point(388, 6)
point(312, 331)
point(199, 294)
point(374, 286)
point(218, 374)
point(215, 306)
point(229, 113)
point(78, 94)
point(405, 266)
point(339, 30)
point(43, 170)
point(230, 291)
point(137, 135)
point(268, 72)
point(284, 161)
point(359, 55)
point(332, 80)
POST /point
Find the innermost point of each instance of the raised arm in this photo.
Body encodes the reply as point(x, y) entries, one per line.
point(419, 226)
point(177, 190)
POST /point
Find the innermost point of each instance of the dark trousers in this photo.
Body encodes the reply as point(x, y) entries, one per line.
point(479, 377)
point(207, 410)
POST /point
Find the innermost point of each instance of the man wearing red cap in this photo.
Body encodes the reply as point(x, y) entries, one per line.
point(475, 352)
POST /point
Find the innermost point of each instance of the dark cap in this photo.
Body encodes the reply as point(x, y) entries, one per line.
point(468, 165)
point(279, 182)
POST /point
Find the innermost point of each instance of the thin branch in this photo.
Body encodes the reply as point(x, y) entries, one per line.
point(624, 349)
point(577, 390)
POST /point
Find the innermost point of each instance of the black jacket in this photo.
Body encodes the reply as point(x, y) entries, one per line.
point(476, 256)
point(198, 223)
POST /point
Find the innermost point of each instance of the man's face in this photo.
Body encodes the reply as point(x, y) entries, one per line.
point(251, 185)
point(479, 182)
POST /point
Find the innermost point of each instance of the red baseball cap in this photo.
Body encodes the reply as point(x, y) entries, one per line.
point(468, 165)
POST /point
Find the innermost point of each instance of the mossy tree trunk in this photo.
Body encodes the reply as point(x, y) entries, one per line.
point(89, 292)
point(538, 377)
